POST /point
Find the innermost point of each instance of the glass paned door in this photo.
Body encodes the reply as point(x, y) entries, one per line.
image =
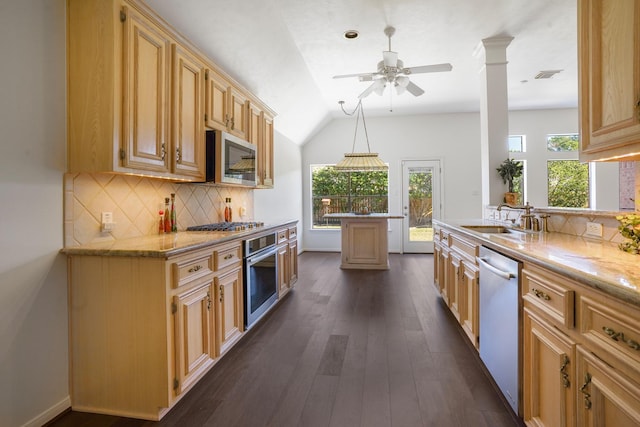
point(420, 204)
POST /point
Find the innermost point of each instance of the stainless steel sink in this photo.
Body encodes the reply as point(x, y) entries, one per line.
point(488, 228)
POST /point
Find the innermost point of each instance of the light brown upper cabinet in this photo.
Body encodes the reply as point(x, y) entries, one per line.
point(129, 109)
point(265, 153)
point(217, 101)
point(609, 74)
point(187, 124)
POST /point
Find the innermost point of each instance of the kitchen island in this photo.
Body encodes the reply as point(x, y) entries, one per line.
point(364, 240)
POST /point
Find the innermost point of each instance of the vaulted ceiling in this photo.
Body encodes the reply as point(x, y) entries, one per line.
point(287, 51)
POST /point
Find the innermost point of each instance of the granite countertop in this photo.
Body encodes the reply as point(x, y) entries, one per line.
point(167, 245)
point(595, 263)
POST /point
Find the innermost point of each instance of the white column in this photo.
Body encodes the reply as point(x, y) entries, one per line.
point(494, 116)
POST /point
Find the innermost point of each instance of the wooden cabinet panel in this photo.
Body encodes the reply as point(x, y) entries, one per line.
point(609, 71)
point(193, 335)
point(283, 269)
point(239, 113)
point(217, 101)
point(454, 284)
point(549, 383)
point(227, 255)
point(255, 124)
point(606, 398)
point(469, 311)
point(293, 262)
point(188, 118)
point(265, 153)
point(190, 268)
point(145, 94)
point(229, 319)
point(550, 293)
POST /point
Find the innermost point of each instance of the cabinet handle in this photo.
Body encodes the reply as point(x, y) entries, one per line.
point(619, 336)
point(221, 293)
point(178, 155)
point(208, 300)
point(540, 294)
point(162, 151)
point(229, 256)
point(563, 372)
point(233, 123)
point(195, 268)
point(583, 390)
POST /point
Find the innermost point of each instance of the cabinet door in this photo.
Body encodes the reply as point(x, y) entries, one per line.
point(549, 385)
point(445, 273)
point(293, 262)
point(437, 255)
point(217, 101)
point(239, 109)
point(605, 397)
point(265, 153)
point(193, 335)
point(455, 292)
point(255, 125)
point(609, 67)
point(469, 314)
point(229, 313)
point(145, 95)
point(283, 269)
point(188, 116)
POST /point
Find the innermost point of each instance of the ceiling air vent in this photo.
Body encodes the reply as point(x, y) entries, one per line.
point(547, 74)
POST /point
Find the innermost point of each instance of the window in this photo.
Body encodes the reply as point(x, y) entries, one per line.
point(517, 144)
point(563, 142)
point(568, 183)
point(343, 192)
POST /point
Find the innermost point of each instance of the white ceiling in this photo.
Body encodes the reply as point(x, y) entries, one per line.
point(286, 51)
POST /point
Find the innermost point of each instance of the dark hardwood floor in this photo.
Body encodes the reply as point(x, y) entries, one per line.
point(345, 348)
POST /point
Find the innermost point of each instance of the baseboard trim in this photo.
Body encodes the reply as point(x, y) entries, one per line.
point(49, 414)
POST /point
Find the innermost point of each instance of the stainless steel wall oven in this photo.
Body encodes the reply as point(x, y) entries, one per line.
point(261, 277)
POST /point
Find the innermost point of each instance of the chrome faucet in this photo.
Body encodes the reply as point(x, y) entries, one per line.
point(526, 219)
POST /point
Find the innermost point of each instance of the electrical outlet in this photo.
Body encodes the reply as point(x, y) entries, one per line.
point(594, 229)
point(107, 224)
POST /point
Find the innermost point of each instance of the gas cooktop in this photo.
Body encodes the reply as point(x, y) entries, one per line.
point(226, 226)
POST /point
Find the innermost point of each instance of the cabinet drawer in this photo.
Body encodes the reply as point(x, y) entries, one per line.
point(224, 256)
point(293, 232)
point(464, 247)
point(611, 326)
point(282, 236)
point(188, 269)
point(549, 294)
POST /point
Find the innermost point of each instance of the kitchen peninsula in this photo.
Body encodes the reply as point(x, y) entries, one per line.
point(364, 240)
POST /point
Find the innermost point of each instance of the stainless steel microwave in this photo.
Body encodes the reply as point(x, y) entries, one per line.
point(229, 159)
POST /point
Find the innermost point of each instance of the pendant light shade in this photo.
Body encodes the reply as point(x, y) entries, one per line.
point(360, 162)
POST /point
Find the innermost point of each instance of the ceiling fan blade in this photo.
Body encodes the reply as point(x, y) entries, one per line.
point(390, 59)
point(363, 76)
point(377, 85)
point(414, 89)
point(435, 68)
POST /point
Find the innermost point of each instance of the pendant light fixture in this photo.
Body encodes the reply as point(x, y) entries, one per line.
point(359, 162)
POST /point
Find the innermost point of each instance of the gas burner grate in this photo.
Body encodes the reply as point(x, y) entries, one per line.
point(226, 226)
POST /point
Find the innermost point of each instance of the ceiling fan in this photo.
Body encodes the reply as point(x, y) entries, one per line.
point(391, 71)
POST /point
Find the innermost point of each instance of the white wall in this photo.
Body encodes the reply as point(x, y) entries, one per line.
point(33, 283)
point(284, 201)
point(455, 140)
point(452, 138)
point(536, 125)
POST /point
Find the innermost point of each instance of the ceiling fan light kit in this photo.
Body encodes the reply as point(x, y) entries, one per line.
point(392, 71)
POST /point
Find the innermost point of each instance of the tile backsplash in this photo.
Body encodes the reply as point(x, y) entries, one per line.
point(135, 202)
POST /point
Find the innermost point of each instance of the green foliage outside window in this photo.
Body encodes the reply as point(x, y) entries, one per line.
point(568, 183)
point(563, 142)
point(346, 192)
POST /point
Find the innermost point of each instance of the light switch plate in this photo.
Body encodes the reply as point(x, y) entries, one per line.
point(594, 229)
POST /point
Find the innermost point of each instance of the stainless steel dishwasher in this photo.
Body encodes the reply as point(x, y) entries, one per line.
point(499, 321)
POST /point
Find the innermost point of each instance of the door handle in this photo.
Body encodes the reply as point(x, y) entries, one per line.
point(504, 274)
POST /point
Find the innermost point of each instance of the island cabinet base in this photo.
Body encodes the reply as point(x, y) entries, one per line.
point(364, 243)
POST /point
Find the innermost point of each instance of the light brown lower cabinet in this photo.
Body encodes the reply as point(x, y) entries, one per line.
point(549, 383)
point(144, 330)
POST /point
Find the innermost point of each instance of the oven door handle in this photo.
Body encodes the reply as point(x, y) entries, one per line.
point(261, 255)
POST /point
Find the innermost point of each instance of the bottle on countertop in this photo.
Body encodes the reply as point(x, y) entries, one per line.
point(230, 211)
point(161, 223)
point(226, 209)
point(174, 222)
point(167, 216)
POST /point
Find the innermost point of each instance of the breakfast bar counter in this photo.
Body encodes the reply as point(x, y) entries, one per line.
point(364, 240)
